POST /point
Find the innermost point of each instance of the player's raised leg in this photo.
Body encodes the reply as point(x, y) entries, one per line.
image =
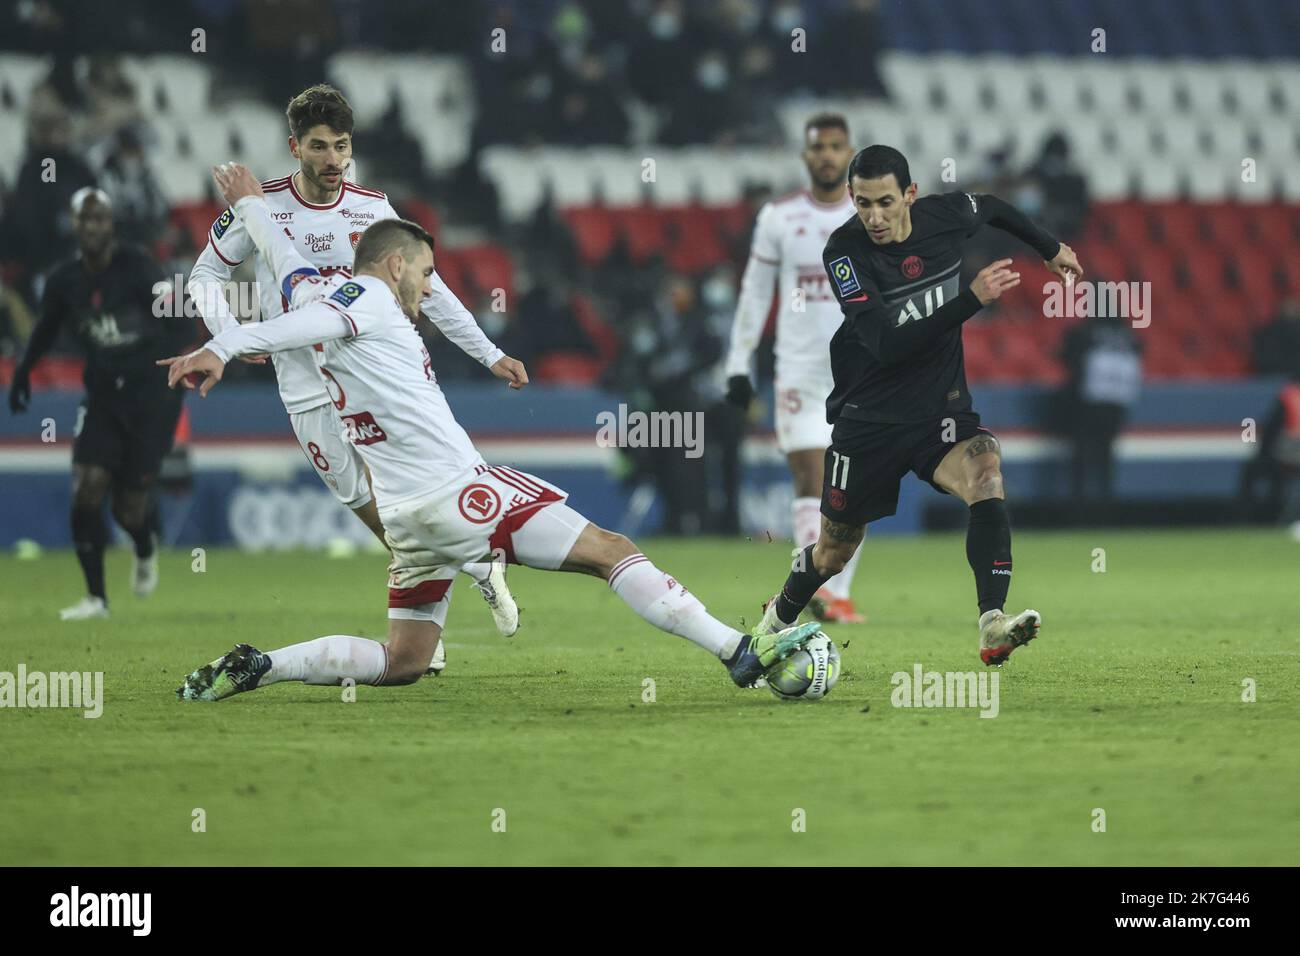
point(558, 538)
point(972, 471)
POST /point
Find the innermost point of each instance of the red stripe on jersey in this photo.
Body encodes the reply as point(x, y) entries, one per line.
point(342, 313)
point(858, 298)
point(374, 193)
point(274, 183)
point(219, 255)
point(426, 592)
point(314, 205)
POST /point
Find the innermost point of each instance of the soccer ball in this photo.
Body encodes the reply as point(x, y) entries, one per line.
point(807, 674)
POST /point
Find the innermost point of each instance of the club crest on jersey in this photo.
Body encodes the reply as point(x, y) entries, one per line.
point(354, 238)
point(223, 223)
point(347, 293)
point(479, 503)
point(912, 267)
point(846, 280)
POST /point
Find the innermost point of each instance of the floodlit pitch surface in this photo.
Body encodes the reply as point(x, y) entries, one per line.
point(1130, 703)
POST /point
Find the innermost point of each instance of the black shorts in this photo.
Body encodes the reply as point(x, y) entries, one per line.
point(867, 460)
point(127, 430)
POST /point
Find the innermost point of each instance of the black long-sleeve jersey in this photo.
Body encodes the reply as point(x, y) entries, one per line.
point(898, 355)
point(111, 315)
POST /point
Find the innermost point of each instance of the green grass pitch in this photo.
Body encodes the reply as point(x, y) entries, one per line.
point(1130, 701)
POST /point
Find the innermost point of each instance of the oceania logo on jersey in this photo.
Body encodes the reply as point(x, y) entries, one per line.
point(353, 214)
point(846, 279)
point(347, 293)
point(223, 223)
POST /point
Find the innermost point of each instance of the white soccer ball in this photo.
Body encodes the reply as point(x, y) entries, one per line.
point(807, 674)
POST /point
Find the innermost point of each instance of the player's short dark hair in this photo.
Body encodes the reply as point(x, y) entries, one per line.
point(388, 236)
point(826, 121)
point(316, 105)
point(876, 162)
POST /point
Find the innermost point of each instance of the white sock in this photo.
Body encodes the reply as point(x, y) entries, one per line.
point(667, 605)
point(479, 571)
point(807, 521)
point(840, 584)
point(328, 660)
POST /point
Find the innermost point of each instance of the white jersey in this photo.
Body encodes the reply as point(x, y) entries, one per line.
point(380, 380)
point(789, 237)
point(325, 235)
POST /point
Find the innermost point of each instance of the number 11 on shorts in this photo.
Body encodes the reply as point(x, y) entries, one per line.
point(839, 471)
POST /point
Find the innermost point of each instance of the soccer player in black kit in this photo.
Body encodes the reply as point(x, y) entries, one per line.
point(105, 297)
point(900, 401)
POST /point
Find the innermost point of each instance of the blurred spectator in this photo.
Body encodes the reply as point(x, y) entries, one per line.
point(1063, 192)
point(139, 207)
point(847, 53)
point(37, 227)
point(1276, 464)
point(1103, 359)
point(1275, 347)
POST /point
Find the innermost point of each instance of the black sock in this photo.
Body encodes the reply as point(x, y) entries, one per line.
point(800, 587)
point(143, 536)
point(988, 549)
point(88, 537)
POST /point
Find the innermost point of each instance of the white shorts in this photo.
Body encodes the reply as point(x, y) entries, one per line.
point(336, 460)
point(801, 416)
point(492, 512)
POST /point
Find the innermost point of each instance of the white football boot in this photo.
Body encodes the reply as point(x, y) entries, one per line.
point(1000, 635)
point(87, 609)
point(144, 572)
point(495, 591)
point(439, 662)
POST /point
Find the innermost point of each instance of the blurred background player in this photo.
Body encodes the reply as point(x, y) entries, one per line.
point(108, 297)
point(442, 504)
point(789, 236)
point(901, 402)
point(309, 205)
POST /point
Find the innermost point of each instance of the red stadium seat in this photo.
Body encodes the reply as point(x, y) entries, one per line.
point(594, 231)
point(567, 368)
point(488, 267)
point(642, 229)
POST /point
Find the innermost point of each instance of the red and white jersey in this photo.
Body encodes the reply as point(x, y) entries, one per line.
point(789, 237)
point(378, 376)
point(324, 234)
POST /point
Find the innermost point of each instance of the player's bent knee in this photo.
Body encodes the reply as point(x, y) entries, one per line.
point(984, 485)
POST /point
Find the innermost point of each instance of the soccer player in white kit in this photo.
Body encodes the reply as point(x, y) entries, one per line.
point(442, 505)
point(324, 216)
point(789, 236)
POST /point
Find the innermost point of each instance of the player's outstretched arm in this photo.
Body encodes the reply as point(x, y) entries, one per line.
point(999, 213)
point(891, 343)
point(241, 189)
point(457, 324)
point(315, 322)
